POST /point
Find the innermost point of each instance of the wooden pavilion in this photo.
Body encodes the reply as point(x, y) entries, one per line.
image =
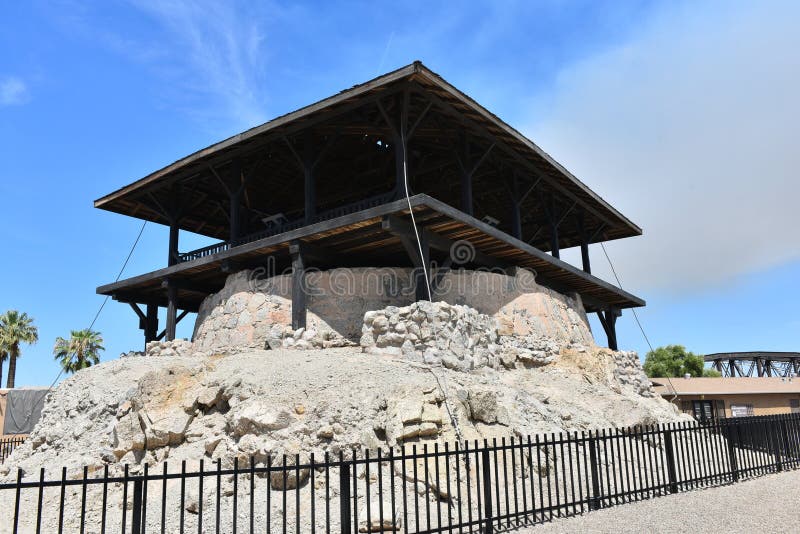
point(324, 186)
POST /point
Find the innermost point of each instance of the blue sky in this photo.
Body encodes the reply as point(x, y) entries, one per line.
point(681, 114)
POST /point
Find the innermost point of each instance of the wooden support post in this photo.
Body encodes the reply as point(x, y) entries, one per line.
point(551, 214)
point(422, 270)
point(173, 216)
point(298, 286)
point(163, 333)
point(309, 185)
point(468, 169)
point(151, 323)
point(466, 178)
point(235, 198)
point(401, 145)
point(172, 310)
point(516, 217)
point(174, 232)
point(587, 266)
point(422, 264)
point(608, 319)
point(148, 322)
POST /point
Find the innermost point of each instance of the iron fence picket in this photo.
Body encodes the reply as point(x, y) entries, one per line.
point(495, 485)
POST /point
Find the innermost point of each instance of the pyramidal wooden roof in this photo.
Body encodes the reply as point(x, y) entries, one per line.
point(459, 105)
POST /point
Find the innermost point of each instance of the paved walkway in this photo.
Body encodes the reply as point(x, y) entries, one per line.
point(764, 505)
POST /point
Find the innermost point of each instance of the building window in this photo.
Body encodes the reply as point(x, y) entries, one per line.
point(719, 409)
point(703, 410)
point(794, 404)
point(741, 410)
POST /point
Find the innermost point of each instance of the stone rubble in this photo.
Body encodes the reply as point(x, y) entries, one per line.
point(454, 336)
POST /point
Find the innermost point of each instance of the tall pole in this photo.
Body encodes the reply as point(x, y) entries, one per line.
point(587, 266)
point(174, 232)
point(174, 228)
point(551, 213)
point(401, 145)
point(172, 310)
point(466, 178)
point(516, 217)
point(298, 286)
point(151, 323)
point(235, 199)
point(309, 185)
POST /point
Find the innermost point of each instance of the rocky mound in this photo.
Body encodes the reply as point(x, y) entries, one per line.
point(426, 373)
point(137, 410)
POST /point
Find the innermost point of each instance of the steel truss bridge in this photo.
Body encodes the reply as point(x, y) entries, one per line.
point(733, 364)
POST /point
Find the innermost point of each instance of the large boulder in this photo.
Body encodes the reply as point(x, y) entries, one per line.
point(257, 417)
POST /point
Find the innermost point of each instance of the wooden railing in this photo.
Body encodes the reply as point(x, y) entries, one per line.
point(339, 211)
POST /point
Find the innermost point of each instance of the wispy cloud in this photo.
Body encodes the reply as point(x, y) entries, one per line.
point(215, 49)
point(13, 91)
point(691, 129)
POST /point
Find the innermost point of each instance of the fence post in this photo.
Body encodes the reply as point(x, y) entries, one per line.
point(595, 501)
point(136, 520)
point(774, 433)
point(734, 463)
point(786, 443)
point(344, 495)
point(671, 471)
point(487, 490)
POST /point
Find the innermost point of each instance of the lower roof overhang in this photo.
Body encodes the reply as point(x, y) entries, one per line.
point(368, 239)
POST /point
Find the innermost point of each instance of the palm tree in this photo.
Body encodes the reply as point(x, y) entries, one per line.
point(80, 351)
point(16, 328)
point(3, 358)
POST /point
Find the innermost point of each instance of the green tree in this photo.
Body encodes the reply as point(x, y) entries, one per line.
point(675, 360)
point(3, 358)
point(80, 351)
point(16, 328)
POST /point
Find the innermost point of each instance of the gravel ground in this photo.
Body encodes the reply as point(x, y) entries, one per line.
point(765, 504)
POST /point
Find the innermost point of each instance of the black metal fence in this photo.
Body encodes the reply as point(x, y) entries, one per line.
point(8, 444)
point(467, 487)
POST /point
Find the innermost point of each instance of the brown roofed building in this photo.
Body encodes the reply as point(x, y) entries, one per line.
point(712, 398)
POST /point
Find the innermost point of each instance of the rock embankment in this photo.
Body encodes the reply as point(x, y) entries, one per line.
point(425, 374)
point(137, 410)
point(264, 404)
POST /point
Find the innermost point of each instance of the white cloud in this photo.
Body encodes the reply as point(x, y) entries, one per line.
point(214, 49)
point(691, 129)
point(13, 91)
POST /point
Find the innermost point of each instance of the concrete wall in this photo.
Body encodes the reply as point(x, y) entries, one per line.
point(249, 306)
point(763, 404)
